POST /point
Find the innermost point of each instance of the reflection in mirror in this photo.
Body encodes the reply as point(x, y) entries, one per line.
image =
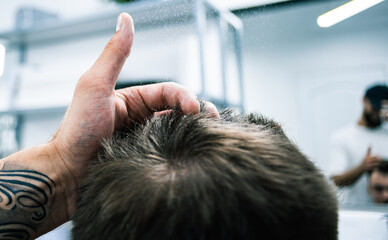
point(358, 153)
point(314, 80)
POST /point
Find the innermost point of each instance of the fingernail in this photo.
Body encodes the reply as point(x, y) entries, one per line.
point(212, 109)
point(119, 24)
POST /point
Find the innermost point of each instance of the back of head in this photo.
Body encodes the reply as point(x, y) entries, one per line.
point(196, 177)
point(378, 183)
point(382, 168)
point(377, 94)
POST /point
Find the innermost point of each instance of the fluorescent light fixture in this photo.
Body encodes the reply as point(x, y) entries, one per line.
point(345, 11)
point(2, 59)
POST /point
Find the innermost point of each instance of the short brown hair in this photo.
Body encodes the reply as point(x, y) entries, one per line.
point(382, 167)
point(196, 177)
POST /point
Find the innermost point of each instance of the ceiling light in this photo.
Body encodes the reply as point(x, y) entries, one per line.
point(345, 11)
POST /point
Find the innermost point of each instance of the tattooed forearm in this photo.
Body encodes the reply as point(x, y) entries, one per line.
point(25, 197)
point(15, 231)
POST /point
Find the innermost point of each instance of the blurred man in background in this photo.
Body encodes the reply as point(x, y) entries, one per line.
point(358, 148)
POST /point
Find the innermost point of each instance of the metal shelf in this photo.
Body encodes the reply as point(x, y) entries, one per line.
point(34, 111)
point(146, 14)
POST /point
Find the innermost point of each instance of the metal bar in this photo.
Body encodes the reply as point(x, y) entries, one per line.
point(35, 111)
point(237, 26)
point(223, 35)
point(230, 19)
point(200, 20)
point(238, 50)
point(19, 119)
point(146, 14)
point(225, 13)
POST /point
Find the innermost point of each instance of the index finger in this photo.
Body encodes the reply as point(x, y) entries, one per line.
point(375, 158)
point(368, 152)
point(141, 102)
point(163, 96)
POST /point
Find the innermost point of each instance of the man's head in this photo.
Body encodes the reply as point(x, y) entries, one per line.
point(196, 177)
point(378, 183)
point(373, 101)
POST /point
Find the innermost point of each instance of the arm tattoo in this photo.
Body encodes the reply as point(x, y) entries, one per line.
point(15, 231)
point(25, 197)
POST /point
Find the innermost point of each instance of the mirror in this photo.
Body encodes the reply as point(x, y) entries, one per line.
point(313, 79)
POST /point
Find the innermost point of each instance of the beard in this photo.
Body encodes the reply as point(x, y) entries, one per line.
point(371, 120)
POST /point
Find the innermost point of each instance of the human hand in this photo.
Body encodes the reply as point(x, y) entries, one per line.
point(97, 110)
point(370, 161)
point(48, 176)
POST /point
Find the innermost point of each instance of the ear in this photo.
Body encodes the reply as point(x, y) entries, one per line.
point(365, 101)
point(366, 104)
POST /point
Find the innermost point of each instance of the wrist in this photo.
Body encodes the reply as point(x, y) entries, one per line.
point(362, 167)
point(67, 179)
point(43, 179)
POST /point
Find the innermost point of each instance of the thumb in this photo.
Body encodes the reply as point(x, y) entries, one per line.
point(368, 152)
point(109, 64)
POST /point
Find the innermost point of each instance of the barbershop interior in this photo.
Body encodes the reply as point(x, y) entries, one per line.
point(317, 67)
